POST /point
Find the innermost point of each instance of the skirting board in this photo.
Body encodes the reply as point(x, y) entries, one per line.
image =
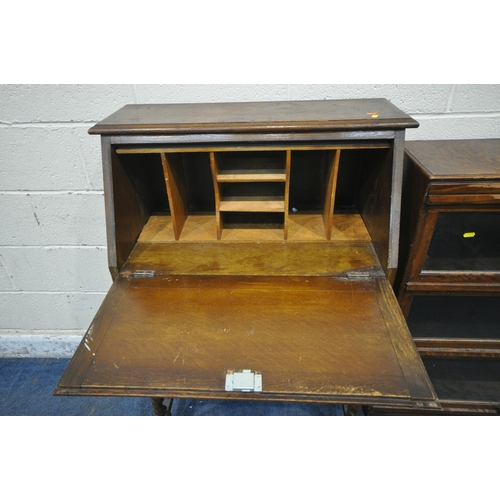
point(39, 344)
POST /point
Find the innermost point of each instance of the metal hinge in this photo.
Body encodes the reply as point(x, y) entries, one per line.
point(244, 381)
point(358, 275)
point(143, 274)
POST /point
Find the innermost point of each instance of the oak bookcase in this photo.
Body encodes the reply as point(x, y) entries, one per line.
point(450, 281)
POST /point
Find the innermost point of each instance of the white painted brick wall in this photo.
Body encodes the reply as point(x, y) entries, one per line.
point(53, 262)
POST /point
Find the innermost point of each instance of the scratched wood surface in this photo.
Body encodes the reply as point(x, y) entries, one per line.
point(309, 338)
point(243, 259)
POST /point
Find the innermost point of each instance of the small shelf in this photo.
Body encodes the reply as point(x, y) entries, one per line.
point(252, 197)
point(253, 169)
point(251, 182)
point(266, 204)
point(252, 176)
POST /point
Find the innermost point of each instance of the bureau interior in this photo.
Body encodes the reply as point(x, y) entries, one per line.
point(332, 193)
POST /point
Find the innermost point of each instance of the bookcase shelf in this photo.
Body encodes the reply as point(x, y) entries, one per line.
point(252, 197)
point(252, 181)
point(449, 289)
point(248, 167)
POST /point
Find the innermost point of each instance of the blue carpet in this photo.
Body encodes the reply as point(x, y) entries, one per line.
point(26, 386)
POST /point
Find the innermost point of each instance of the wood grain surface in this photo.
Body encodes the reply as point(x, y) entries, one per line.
point(308, 337)
point(276, 116)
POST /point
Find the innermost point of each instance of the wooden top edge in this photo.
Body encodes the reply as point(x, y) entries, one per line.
point(458, 159)
point(236, 127)
point(271, 116)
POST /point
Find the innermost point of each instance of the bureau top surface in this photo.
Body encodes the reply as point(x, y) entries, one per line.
point(274, 117)
point(457, 159)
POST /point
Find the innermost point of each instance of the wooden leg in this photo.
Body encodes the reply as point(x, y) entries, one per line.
point(354, 410)
point(161, 409)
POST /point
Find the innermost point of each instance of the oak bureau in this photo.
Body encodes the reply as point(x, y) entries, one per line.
point(253, 248)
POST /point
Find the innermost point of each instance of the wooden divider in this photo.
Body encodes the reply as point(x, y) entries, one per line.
point(234, 193)
point(332, 169)
point(288, 165)
point(214, 165)
point(176, 190)
point(226, 179)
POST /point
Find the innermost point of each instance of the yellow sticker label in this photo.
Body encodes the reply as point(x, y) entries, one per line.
point(469, 235)
point(373, 114)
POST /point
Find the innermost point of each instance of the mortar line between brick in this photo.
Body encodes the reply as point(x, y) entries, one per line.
point(4, 124)
point(25, 192)
point(25, 331)
point(53, 292)
point(446, 114)
point(54, 247)
point(450, 116)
